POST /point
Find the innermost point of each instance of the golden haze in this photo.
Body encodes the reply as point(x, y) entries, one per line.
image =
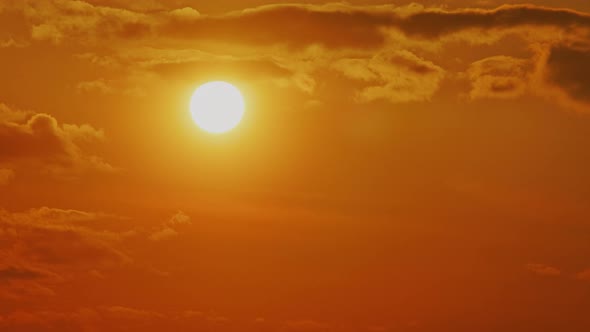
point(410, 167)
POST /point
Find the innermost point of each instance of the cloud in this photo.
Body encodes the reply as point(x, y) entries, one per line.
point(183, 64)
point(25, 290)
point(99, 85)
point(55, 236)
point(333, 25)
point(435, 23)
point(544, 270)
point(47, 32)
point(102, 86)
point(22, 273)
point(564, 72)
point(20, 281)
point(39, 246)
point(11, 42)
point(9, 114)
point(348, 36)
point(41, 139)
point(499, 77)
point(171, 227)
point(179, 218)
point(43, 247)
point(185, 13)
point(163, 234)
point(45, 215)
point(396, 76)
point(139, 5)
point(61, 20)
point(555, 72)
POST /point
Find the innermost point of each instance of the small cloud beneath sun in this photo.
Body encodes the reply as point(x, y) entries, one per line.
point(169, 229)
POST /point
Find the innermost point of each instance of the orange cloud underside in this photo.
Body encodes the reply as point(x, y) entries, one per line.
point(408, 167)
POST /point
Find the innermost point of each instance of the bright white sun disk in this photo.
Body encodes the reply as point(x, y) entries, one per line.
point(217, 107)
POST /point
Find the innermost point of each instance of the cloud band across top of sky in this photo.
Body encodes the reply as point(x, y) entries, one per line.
point(363, 43)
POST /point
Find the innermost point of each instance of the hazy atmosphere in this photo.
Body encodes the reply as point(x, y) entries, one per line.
point(359, 166)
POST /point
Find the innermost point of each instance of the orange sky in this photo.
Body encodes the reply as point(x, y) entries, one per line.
point(410, 167)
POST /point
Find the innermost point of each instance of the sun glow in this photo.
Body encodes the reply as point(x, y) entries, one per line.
point(217, 107)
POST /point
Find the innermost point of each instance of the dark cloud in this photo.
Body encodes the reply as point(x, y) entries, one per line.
point(566, 69)
point(434, 23)
point(555, 71)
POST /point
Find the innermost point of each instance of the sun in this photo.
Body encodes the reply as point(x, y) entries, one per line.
point(217, 107)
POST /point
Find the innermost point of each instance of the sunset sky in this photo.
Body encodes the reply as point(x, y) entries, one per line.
point(400, 167)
